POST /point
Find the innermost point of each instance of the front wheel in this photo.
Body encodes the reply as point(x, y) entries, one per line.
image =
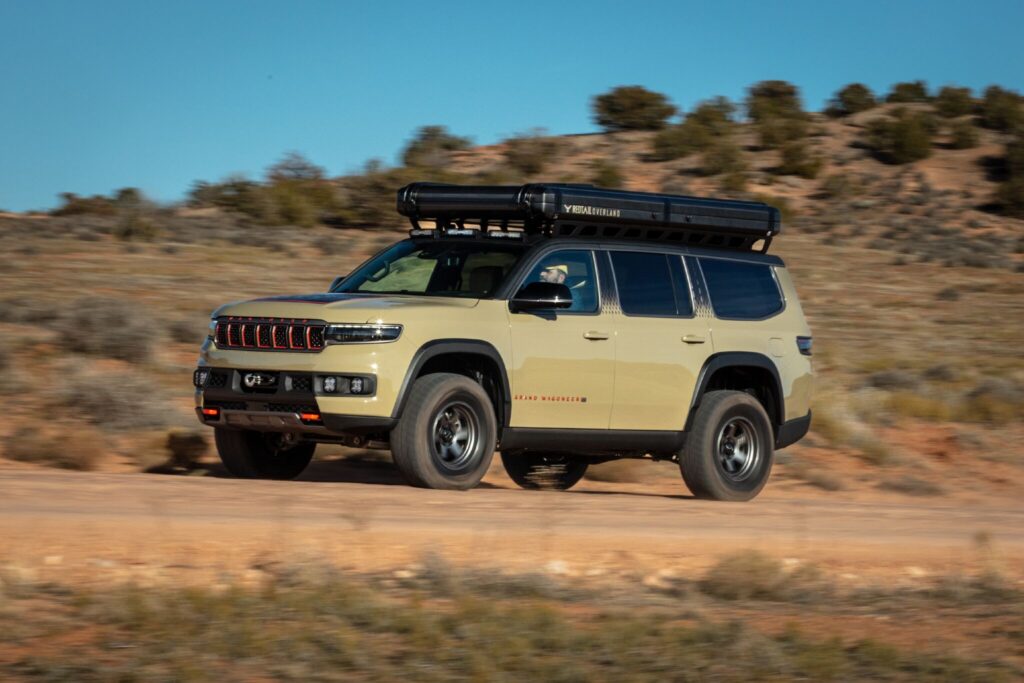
point(445, 437)
point(729, 452)
point(543, 469)
point(263, 455)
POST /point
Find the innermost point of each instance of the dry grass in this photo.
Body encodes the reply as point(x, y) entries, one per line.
point(315, 623)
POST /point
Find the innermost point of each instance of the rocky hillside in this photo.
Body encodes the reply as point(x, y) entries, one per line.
point(940, 209)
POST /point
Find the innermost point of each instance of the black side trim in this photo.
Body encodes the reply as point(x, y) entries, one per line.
point(593, 440)
point(439, 347)
point(792, 431)
point(357, 424)
point(736, 359)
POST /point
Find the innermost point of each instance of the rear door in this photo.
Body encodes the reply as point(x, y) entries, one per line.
point(660, 343)
point(563, 362)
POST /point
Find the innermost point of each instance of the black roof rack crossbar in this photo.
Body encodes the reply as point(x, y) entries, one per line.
point(584, 210)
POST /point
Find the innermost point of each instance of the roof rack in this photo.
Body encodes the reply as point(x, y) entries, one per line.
point(565, 210)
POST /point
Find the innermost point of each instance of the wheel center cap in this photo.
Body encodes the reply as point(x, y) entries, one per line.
point(730, 448)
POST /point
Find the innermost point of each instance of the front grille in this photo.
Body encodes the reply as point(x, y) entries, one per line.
point(291, 408)
point(217, 380)
point(269, 334)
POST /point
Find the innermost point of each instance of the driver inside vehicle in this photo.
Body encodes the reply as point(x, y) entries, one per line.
point(554, 273)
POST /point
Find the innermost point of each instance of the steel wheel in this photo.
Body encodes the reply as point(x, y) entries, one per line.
point(454, 436)
point(738, 449)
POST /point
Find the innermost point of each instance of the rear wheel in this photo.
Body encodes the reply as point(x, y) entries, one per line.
point(263, 455)
point(729, 451)
point(543, 469)
point(445, 437)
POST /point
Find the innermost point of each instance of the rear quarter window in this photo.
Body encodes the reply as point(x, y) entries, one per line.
point(741, 291)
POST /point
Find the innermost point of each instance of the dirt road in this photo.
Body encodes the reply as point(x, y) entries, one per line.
point(132, 524)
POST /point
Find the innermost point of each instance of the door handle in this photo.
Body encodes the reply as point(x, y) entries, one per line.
point(693, 338)
point(591, 334)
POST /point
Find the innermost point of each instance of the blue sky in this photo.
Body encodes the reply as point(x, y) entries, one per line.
point(107, 94)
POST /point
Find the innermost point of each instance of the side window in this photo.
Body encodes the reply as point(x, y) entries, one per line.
point(651, 284)
point(575, 269)
point(742, 291)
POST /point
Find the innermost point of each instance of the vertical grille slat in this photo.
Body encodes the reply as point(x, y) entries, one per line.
point(269, 334)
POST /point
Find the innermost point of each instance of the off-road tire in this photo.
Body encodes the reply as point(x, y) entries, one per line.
point(543, 469)
point(442, 406)
point(262, 455)
point(710, 466)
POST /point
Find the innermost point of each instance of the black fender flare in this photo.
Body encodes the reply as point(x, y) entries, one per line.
point(727, 359)
point(438, 347)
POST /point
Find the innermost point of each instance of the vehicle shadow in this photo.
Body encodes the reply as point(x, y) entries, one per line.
point(344, 470)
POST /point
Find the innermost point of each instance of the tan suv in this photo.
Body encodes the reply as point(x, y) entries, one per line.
point(564, 325)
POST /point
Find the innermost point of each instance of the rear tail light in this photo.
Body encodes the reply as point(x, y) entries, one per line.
point(805, 345)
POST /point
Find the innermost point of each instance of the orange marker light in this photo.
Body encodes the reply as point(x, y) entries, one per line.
point(211, 412)
point(310, 417)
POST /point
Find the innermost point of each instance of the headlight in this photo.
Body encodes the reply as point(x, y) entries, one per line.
point(361, 334)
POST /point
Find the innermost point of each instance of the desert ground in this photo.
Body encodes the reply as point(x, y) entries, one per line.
point(889, 544)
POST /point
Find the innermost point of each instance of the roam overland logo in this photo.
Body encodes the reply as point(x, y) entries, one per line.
point(591, 210)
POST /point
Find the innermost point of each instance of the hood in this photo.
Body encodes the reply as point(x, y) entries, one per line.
point(341, 307)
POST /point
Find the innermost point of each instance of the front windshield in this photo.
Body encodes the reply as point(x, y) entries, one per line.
point(436, 268)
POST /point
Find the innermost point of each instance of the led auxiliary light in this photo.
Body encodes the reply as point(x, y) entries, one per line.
point(200, 376)
point(330, 384)
point(356, 385)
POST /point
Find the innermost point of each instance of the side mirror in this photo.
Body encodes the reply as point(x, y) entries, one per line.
point(337, 281)
point(541, 295)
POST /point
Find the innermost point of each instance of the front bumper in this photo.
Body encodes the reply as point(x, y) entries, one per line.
point(291, 402)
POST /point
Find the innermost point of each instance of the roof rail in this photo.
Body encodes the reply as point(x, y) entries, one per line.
point(566, 210)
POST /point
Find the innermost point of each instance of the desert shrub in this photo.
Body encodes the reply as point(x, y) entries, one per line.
point(851, 99)
point(190, 330)
point(909, 404)
point(1011, 196)
point(73, 205)
point(724, 156)
point(963, 135)
point(295, 192)
point(951, 102)
point(911, 486)
point(1011, 192)
point(799, 161)
point(839, 186)
point(66, 445)
point(368, 198)
point(432, 147)
point(113, 328)
point(699, 130)
point(606, 174)
point(775, 109)
point(902, 138)
point(733, 182)
point(134, 226)
point(632, 107)
point(752, 575)
point(1001, 110)
point(530, 153)
point(912, 91)
point(113, 400)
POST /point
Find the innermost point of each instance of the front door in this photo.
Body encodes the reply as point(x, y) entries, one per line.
point(563, 362)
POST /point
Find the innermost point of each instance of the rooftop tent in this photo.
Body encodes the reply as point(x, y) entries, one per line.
point(587, 211)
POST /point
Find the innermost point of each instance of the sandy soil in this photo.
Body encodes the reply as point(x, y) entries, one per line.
point(357, 514)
